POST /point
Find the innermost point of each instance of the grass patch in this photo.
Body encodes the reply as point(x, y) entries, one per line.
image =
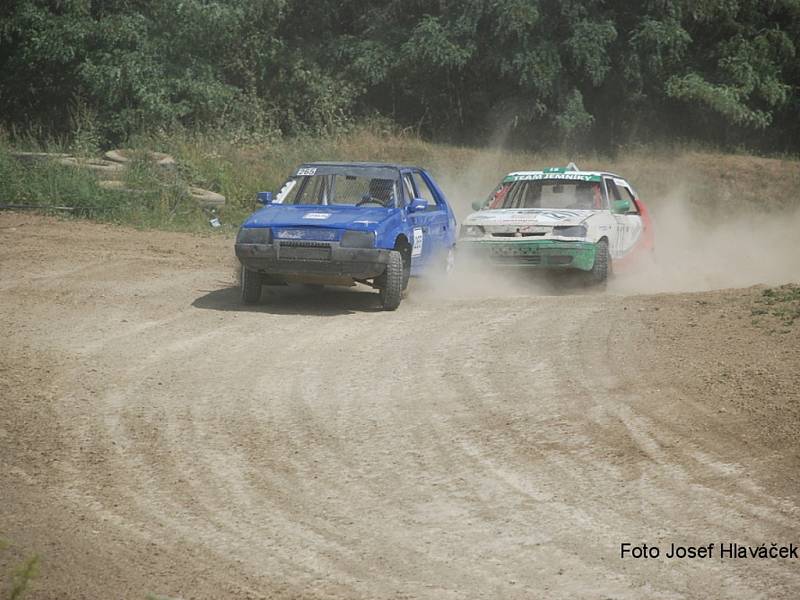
point(781, 302)
point(161, 199)
point(21, 576)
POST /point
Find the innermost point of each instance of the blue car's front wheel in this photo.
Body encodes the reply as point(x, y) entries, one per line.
point(250, 284)
point(390, 283)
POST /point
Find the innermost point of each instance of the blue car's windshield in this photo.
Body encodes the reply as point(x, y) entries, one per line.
point(339, 188)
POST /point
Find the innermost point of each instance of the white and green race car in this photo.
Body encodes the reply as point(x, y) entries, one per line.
point(559, 218)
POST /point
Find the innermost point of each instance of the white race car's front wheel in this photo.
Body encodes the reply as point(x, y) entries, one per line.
point(602, 263)
point(442, 264)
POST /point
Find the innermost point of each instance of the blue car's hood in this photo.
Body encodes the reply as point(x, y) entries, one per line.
point(339, 217)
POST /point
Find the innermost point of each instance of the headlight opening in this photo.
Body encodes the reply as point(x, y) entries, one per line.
point(254, 235)
point(572, 231)
point(472, 231)
point(358, 239)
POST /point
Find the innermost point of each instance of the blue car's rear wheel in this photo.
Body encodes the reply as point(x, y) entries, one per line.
point(250, 284)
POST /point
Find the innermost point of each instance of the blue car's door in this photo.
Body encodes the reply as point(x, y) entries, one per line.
point(427, 225)
point(437, 213)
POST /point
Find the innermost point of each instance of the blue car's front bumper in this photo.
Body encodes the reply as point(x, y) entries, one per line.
point(297, 257)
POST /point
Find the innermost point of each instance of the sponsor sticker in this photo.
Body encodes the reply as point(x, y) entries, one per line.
point(317, 215)
point(530, 216)
point(541, 176)
point(416, 249)
point(559, 215)
point(290, 234)
point(311, 233)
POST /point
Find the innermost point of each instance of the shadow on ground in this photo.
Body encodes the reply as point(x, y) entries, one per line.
point(294, 300)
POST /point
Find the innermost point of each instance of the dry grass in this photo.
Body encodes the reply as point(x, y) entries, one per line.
point(712, 182)
point(704, 179)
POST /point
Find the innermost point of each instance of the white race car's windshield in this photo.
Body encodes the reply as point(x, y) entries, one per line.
point(550, 193)
point(344, 189)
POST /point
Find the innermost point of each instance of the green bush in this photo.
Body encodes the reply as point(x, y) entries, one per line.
point(598, 75)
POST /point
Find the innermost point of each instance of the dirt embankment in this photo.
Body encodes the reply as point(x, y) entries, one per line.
point(155, 437)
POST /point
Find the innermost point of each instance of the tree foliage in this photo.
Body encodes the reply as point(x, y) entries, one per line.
point(595, 73)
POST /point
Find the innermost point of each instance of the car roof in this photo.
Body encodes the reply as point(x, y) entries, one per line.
point(594, 173)
point(569, 170)
point(366, 165)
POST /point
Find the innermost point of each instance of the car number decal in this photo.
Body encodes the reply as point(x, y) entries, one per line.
point(418, 239)
point(307, 171)
point(287, 187)
point(317, 215)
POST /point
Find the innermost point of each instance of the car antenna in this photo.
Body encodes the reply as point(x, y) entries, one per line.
point(572, 167)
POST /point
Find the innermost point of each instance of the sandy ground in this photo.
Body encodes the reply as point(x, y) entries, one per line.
point(158, 438)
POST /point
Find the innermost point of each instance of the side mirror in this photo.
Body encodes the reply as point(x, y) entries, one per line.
point(417, 205)
point(477, 205)
point(264, 198)
point(620, 207)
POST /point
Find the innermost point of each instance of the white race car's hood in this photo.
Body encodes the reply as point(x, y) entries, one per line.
point(548, 217)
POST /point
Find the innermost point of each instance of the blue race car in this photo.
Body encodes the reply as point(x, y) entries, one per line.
point(340, 223)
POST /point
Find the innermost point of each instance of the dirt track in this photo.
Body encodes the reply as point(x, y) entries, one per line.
point(157, 438)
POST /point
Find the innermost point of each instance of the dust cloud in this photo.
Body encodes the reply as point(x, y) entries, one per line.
point(700, 251)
